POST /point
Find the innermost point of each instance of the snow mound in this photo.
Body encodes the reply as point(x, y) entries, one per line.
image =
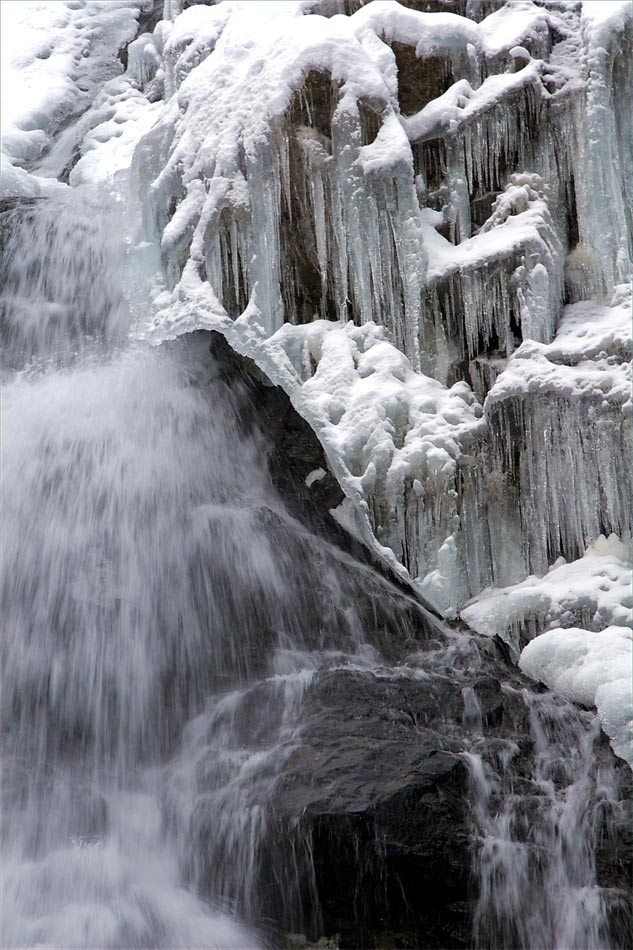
point(580, 618)
point(592, 668)
point(594, 591)
point(590, 356)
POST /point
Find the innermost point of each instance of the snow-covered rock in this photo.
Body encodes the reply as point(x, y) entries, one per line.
point(55, 57)
point(593, 592)
point(592, 668)
point(578, 619)
point(432, 175)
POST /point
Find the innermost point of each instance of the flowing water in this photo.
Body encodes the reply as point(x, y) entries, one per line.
point(131, 547)
point(153, 583)
point(164, 617)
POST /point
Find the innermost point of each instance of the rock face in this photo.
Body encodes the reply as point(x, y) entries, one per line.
point(386, 800)
point(383, 799)
point(410, 799)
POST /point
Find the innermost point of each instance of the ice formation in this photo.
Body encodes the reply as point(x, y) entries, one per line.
point(577, 620)
point(593, 592)
point(417, 223)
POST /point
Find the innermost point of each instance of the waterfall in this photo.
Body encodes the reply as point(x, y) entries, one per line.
point(228, 719)
point(166, 622)
point(125, 490)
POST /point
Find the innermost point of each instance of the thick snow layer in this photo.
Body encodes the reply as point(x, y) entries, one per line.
point(382, 419)
point(521, 216)
point(580, 618)
point(591, 667)
point(55, 55)
point(429, 33)
point(393, 437)
point(587, 357)
point(589, 330)
point(263, 53)
point(594, 591)
point(604, 20)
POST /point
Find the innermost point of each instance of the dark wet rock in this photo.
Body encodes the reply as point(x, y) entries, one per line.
point(488, 693)
point(374, 807)
point(420, 79)
point(294, 452)
point(383, 800)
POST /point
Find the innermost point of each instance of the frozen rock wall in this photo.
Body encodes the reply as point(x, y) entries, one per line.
point(454, 173)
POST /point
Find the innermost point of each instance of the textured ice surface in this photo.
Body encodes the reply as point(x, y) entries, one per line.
point(393, 435)
point(594, 592)
point(559, 428)
point(578, 618)
point(589, 356)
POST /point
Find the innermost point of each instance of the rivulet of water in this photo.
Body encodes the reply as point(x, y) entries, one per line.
point(536, 863)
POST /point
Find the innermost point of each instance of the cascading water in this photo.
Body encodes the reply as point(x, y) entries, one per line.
point(119, 484)
point(537, 864)
point(149, 567)
point(139, 578)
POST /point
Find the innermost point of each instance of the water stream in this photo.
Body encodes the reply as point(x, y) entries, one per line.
point(133, 560)
point(153, 580)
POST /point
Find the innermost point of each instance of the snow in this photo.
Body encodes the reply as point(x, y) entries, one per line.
point(520, 226)
point(588, 329)
point(586, 358)
point(596, 587)
point(603, 20)
point(55, 56)
point(461, 103)
point(382, 421)
point(393, 437)
point(429, 33)
point(111, 130)
point(514, 24)
point(580, 618)
point(592, 668)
